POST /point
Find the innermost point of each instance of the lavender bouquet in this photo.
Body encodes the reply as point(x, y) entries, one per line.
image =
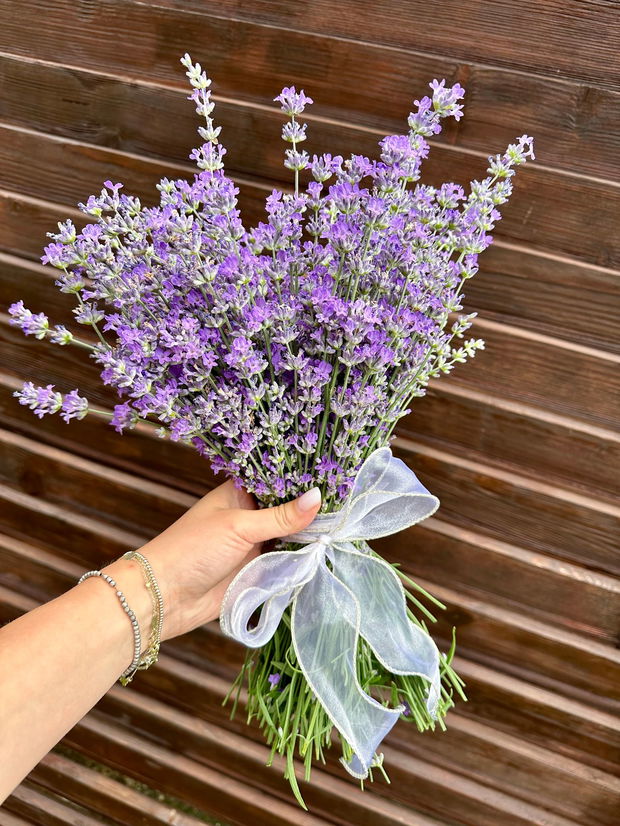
point(285, 354)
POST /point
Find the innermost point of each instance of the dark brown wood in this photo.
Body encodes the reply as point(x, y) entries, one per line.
point(44, 808)
point(569, 595)
point(533, 515)
point(522, 445)
point(515, 283)
point(574, 124)
point(26, 222)
point(538, 190)
point(531, 36)
point(102, 794)
point(14, 820)
point(526, 438)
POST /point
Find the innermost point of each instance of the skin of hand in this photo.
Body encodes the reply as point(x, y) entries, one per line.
point(193, 582)
point(58, 660)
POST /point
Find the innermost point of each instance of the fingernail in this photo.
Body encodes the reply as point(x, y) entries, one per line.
point(309, 500)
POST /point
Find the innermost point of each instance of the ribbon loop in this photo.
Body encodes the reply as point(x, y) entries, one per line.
point(360, 596)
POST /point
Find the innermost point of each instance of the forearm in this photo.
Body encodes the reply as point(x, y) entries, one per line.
point(57, 661)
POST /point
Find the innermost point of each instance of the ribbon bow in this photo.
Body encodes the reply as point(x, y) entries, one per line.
point(332, 606)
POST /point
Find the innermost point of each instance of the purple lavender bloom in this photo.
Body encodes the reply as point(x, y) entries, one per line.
point(273, 680)
point(124, 417)
point(41, 400)
point(286, 352)
point(32, 324)
point(291, 101)
point(73, 406)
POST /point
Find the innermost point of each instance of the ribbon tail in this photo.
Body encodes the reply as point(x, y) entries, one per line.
point(325, 630)
point(400, 646)
point(269, 581)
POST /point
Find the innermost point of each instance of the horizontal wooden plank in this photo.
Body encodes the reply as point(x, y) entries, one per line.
point(525, 366)
point(538, 775)
point(58, 529)
point(46, 808)
point(531, 772)
point(516, 364)
point(26, 221)
point(555, 590)
point(547, 293)
point(528, 218)
point(507, 34)
point(516, 509)
point(207, 788)
point(521, 437)
point(511, 507)
point(527, 647)
point(60, 477)
point(569, 727)
point(572, 123)
point(200, 694)
point(137, 451)
point(106, 796)
point(14, 820)
point(515, 284)
point(215, 746)
point(69, 171)
point(260, 59)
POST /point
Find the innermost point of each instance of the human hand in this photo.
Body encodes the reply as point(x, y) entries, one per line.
point(195, 559)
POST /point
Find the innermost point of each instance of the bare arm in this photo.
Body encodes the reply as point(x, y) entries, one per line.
point(58, 660)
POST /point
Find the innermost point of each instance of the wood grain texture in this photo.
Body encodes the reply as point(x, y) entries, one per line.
point(105, 796)
point(522, 286)
point(200, 694)
point(45, 808)
point(573, 123)
point(551, 37)
point(521, 445)
point(583, 233)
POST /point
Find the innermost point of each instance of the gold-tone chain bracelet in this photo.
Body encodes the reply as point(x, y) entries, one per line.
point(150, 656)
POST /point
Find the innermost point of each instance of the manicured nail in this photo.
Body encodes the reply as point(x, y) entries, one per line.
point(309, 500)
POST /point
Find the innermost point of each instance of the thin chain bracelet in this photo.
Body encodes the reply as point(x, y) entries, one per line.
point(151, 654)
point(127, 675)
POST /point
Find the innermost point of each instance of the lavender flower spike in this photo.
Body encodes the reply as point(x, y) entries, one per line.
point(292, 102)
point(285, 353)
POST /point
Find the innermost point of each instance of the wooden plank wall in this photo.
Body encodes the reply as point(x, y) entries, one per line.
point(521, 445)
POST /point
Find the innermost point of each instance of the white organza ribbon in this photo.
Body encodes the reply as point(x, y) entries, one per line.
point(360, 595)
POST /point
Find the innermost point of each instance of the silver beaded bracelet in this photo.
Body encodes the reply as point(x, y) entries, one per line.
point(137, 639)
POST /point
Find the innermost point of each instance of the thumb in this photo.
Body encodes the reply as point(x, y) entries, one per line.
point(271, 523)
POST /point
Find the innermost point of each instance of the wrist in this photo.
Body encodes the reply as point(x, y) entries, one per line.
point(130, 580)
point(164, 580)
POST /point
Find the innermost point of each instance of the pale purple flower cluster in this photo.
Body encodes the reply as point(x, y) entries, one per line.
point(286, 352)
point(42, 400)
